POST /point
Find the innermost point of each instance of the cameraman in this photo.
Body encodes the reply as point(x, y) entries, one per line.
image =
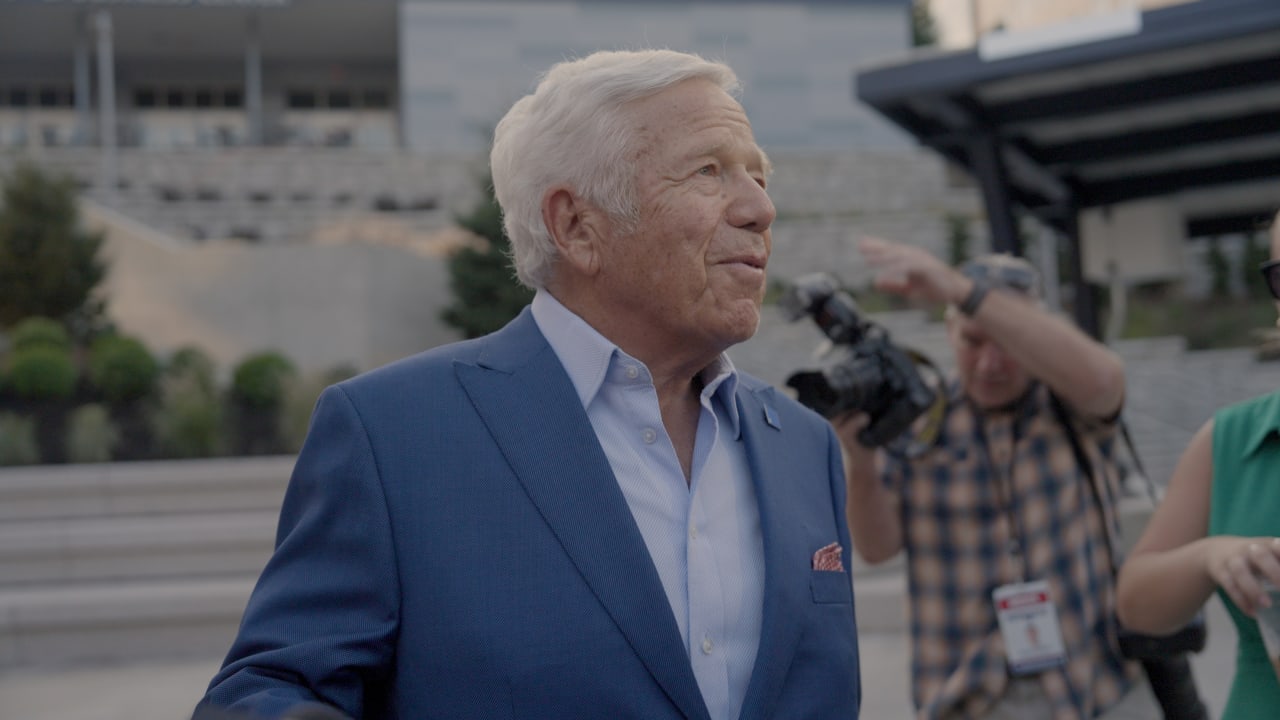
point(996, 512)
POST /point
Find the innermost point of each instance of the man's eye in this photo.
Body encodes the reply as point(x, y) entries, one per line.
point(710, 170)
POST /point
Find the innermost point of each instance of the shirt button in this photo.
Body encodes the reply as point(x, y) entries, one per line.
point(707, 645)
point(693, 533)
point(649, 436)
point(632, 372)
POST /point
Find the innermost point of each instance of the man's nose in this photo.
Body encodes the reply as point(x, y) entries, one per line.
point(991, 359)
point(751, 208)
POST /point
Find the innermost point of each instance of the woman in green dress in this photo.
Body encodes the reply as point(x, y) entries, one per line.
point(1216, 530)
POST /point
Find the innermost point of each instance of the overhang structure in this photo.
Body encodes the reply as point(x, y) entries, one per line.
point(1181, 103)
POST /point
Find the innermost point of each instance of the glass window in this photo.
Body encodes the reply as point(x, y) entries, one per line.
point(376, 98)
point(51, 97)
point(19, 97)
point(203, 98)
point(232, 98)
point(175, 98)
point(144, 98)
point(301, 99)
point(340, 99)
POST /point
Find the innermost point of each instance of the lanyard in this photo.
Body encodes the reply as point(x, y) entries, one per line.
point(1003, 490)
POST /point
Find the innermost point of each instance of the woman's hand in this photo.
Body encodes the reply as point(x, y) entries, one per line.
point(1240, 565)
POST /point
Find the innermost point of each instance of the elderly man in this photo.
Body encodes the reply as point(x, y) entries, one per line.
point(1011, 585)
point(589, 513)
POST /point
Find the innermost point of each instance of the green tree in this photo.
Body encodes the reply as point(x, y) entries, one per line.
point(1257, 250)
point(923, 29)
point(1219, 269)
point(958, 238)
point(49, 264)
point(486, 294)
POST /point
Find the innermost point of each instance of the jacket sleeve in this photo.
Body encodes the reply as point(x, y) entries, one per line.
point(321, 624)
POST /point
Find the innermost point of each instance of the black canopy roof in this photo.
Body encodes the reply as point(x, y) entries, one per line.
point(1182, 101)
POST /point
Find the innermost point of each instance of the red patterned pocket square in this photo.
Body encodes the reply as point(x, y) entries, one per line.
point(828, 558)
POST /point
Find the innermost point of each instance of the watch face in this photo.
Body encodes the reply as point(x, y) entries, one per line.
point(975, 296)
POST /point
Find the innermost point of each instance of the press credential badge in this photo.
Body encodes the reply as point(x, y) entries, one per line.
point(1029, 625)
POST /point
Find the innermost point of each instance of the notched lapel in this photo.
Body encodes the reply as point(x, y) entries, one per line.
point(530, 408)
point(784, 557)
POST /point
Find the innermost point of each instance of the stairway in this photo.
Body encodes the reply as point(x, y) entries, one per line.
point(128, 561)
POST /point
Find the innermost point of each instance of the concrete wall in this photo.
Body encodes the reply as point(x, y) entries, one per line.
point(362, 305)
point(464, 64)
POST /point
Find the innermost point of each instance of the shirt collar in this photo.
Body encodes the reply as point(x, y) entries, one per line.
point(587, 355)
point(1267, 424)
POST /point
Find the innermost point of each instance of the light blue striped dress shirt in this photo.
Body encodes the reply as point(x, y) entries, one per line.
point(704, 536)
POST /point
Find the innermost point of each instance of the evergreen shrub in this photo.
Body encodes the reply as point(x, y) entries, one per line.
point(42, 373)
point(258, 382)
point(37, 331)
point(188, 420)
point(191, 361)
point(122, 369)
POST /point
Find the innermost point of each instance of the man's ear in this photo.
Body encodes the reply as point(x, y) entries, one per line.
point(572, 224)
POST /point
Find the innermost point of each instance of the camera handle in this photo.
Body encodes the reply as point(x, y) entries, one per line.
point(930, 424)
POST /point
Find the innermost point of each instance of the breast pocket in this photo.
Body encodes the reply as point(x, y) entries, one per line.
point(831, 587)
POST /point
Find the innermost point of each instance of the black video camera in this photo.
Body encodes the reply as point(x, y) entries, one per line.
point(872, 375)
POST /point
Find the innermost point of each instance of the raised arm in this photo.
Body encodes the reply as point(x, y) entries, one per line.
point(1080, 370)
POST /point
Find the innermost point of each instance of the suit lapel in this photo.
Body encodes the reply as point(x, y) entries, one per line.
point(529, 405)
point(784, 555)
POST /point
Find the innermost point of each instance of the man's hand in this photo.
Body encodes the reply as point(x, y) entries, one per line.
point(913, 272)
point(847, 428)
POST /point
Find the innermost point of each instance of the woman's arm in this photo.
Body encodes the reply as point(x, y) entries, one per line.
point(1175, 566)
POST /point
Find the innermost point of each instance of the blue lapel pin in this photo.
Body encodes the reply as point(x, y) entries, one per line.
point(770, 416)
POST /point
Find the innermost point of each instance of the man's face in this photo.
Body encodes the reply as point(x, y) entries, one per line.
point(691, 277)
point(989, 377)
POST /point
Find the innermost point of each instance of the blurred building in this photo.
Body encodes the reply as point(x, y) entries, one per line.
point(429, 75)
point(276, 173)
point(959, 23)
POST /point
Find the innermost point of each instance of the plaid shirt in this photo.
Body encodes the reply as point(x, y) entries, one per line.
point(956, 504)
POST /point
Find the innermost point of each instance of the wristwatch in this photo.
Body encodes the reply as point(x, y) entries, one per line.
point(977, 293)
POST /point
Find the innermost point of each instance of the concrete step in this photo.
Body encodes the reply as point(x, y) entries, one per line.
point(137, 488)
point(125, 547)
point(121, 622)
point(125, 586)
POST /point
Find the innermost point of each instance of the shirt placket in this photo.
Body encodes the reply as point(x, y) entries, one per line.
point(707, 631)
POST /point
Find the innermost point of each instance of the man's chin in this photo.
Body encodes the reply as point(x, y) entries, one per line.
point(993, 399)
point(741, 329)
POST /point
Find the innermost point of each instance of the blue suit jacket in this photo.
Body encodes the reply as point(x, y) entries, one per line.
point(453, 544)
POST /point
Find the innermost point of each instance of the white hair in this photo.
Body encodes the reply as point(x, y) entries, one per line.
point(573, 131)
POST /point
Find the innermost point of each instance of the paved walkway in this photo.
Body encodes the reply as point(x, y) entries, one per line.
point(168, 691)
